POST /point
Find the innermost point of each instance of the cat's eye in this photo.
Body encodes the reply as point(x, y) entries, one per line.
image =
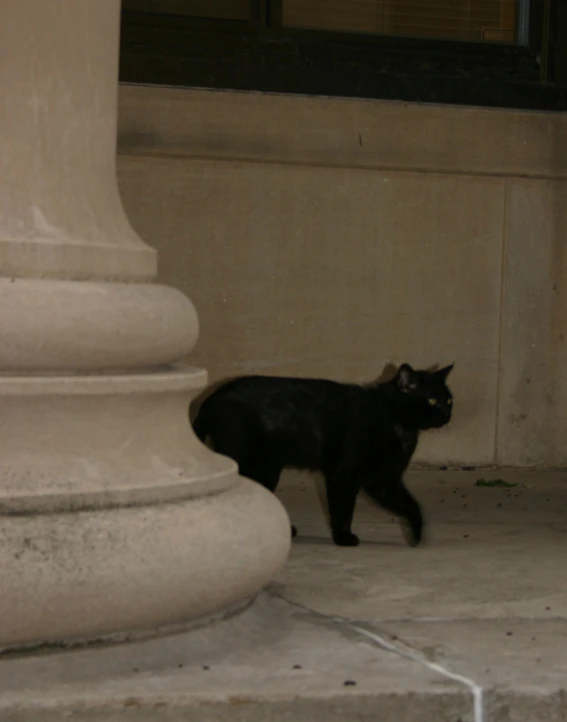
point(432, 402)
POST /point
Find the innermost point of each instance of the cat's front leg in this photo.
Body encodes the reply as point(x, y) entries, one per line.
point(392, 494)
point(341, 500)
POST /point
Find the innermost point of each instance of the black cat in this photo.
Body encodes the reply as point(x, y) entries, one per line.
point(360, 437)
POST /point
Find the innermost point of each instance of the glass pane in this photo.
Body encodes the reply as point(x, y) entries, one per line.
point(219, 9)
point(472, 20)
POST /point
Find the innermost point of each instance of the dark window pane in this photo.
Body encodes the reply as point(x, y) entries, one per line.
point(472, 20)
point(219, 9)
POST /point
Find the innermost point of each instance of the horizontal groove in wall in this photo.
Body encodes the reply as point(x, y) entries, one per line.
point(169, 154)
point(320, 131)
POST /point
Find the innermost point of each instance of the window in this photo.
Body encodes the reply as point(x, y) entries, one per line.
point(510, 53)
point(213, 9)
point(471, 20)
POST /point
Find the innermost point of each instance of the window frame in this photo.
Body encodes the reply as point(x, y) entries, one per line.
point(261, 55)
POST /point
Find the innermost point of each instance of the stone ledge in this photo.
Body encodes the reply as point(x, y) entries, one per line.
point(482, 599)
point(340, 132)
point(273, 662)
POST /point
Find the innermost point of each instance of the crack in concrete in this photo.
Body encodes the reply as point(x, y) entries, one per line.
point(476, 690)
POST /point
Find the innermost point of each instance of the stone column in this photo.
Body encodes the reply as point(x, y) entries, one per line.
point(113, 517)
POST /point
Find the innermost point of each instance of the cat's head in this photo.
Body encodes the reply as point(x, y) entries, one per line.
point(424, 397)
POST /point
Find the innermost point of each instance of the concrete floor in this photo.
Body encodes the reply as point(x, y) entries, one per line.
point(470, 627)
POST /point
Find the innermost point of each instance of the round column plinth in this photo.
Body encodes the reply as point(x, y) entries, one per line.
point(78, 576)
point(114, 517)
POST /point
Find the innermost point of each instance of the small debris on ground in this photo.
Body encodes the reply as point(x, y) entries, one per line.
point(349, 683)
point(495, 482)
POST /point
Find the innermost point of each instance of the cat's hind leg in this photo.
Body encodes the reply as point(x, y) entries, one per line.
point(262, 466)
point(341, 500)
point(236, 434)
point(392, 494)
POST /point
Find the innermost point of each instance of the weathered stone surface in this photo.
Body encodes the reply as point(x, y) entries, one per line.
point(476, 614)
point(372, 232)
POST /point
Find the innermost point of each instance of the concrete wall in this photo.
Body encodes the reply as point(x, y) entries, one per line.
point(329, 237)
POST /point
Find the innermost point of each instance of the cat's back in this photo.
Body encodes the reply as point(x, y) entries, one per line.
point(285, 406)
point(303, 419)
point(295, 394)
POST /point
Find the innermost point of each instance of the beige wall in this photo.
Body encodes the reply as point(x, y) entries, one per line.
point(329, 237)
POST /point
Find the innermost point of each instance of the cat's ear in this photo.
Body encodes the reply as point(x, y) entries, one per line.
point(406, 378)
point(444, 372)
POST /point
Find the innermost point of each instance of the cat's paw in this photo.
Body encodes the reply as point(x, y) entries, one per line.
point(293, 531)
point(345, 539)
point(412, 534)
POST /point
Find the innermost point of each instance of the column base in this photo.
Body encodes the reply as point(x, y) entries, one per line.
point(83, 576)
point(114, 517)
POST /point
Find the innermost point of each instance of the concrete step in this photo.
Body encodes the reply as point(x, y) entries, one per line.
point(278, 662)
point(273, 661)
point(471, 627)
